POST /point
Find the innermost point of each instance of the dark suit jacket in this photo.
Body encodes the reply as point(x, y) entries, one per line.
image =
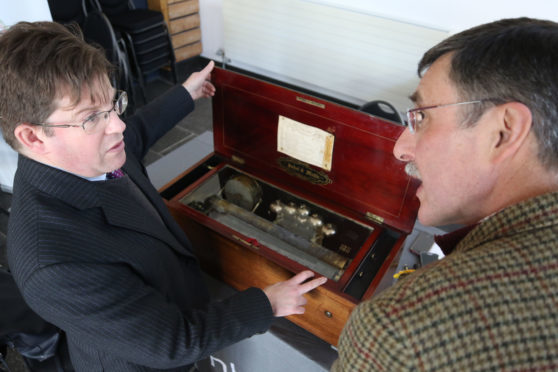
point(105, 262)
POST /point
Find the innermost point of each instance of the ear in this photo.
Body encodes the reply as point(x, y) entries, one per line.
point(31, 138)
point(513, 126)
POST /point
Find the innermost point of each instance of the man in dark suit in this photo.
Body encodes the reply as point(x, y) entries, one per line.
point(483, 140)
point(102, 258)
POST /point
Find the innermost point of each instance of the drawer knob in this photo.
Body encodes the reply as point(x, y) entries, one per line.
point(328, 314)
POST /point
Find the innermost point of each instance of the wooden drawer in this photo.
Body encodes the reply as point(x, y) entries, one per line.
point(326, 312)
point(188, 51)
point(187, 37)
point(183, 8)
point(184, 23)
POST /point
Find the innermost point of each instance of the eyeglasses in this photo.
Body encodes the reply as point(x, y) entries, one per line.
point(416, 116)
point(92, 121)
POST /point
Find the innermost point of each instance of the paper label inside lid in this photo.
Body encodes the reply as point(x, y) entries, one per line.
point(305, 143)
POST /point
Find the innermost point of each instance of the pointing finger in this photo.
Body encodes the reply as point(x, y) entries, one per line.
point(307, 287)
point(301, 277)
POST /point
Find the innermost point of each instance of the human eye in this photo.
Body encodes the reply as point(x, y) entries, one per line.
point(416, 117)
point(420, 115)
point(92, 120)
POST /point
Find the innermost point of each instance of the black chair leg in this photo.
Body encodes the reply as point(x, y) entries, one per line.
point(142, 87)
point(139, 74)
point(174, 73)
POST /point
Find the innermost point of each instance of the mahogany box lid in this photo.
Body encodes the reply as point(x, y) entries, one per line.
point(327, 153)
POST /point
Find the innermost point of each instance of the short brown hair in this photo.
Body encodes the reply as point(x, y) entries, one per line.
point(41, 62)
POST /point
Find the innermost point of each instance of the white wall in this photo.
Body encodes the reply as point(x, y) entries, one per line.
point(211, 14)
point(351, 56)
point(352, 50)
point(452, 16)
point(23, 10)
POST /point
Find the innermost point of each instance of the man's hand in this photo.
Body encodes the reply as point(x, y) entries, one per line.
point(198, 84)
point(286, 297)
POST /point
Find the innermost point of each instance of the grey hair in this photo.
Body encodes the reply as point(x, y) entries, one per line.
point(510, 60)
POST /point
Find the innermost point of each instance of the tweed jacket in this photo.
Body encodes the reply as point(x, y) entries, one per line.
point(491, 305)
point(106, 263)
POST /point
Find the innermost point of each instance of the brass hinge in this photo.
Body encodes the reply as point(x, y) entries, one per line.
point(310, 102)
point(375, 218)
point(237, 159)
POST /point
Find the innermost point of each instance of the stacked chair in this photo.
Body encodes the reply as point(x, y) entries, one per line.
point(68, 11)
point(146, 36)
point(98, 30)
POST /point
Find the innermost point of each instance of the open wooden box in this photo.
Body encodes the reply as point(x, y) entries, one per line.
point(296, 182)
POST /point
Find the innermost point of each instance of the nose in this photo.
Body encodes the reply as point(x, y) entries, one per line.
point(115, 124)
point(404, 148)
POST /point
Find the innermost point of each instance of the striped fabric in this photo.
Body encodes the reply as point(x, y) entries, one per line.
point(491, 305)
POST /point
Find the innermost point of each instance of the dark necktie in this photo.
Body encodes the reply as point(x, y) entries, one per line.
point(115, 174)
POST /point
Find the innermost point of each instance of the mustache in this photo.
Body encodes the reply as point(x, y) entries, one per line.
point(412, 170)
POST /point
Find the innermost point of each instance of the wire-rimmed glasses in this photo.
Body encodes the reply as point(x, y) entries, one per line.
point(93, 121)
point(415, 116)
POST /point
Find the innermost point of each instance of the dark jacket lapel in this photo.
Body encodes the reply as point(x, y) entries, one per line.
point(119, 205)
point(138, 174)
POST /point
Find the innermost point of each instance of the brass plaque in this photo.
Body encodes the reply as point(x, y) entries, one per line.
point(304, 171)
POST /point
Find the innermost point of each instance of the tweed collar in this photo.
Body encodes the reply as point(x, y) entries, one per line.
point(529, 215)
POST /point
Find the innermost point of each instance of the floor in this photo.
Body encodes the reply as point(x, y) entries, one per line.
point(197, 123)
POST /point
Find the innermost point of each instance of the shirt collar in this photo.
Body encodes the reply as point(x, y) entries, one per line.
point(449, 241)
point(102, 177)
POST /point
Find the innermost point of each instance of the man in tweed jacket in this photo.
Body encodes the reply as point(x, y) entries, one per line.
point(484, 142)
point(103, 259)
